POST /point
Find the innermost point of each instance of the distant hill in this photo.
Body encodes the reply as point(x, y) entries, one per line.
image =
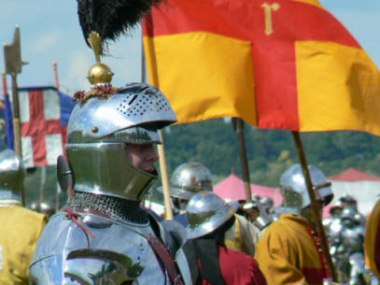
point(269, 152)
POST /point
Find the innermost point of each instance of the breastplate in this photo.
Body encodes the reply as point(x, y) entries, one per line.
point(91, 249)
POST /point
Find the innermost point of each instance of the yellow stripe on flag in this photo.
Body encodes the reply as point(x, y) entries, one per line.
point(337, 88)
point(200, 56)
point(312, 2)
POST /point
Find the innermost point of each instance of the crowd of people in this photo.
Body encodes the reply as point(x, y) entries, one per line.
point(104, 234)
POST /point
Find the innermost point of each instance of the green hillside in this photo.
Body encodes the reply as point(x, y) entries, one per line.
point(269, 152)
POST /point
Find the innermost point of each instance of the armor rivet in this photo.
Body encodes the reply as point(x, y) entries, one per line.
point(94, 129)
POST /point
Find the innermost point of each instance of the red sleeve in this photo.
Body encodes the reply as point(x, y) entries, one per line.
point(239, 268)
point(258, 277)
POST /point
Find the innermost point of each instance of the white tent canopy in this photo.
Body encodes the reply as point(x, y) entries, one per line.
point(364, 187)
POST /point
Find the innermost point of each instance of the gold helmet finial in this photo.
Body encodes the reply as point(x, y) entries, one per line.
point(99, 73)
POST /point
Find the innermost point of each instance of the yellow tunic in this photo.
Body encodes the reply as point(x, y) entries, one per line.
point(372, 240)
point(287, 254)
point(242, 236)
point(19, 233)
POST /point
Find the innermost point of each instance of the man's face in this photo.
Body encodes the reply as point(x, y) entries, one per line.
point(252, 214)
point(142, 156)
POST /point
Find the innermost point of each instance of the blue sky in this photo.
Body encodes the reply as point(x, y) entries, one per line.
point(50, 32)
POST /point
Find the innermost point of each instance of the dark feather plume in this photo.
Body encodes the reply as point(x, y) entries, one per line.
point(111, 18)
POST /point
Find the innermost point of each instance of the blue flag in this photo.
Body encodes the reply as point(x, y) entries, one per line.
point(6, 124)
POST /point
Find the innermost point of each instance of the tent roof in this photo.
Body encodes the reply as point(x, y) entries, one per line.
point(353, 174)
point(232, 188)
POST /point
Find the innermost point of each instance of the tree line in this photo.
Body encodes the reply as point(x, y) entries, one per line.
point(269, 152)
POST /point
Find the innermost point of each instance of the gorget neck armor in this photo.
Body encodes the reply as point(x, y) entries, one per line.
point(113, 207)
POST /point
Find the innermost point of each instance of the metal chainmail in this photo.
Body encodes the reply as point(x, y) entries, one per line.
point(115, 208)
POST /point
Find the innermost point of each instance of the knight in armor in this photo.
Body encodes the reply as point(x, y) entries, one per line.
point(20, 227)
point(348, 250)
point(289, 250)
point(102, 233)
point(268, 204)
point(186, 180)
point(250, 210)
point(348, 201)
point(209, 218)
point(192, 177)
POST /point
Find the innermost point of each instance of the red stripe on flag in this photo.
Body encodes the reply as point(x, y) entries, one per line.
point(298, 21)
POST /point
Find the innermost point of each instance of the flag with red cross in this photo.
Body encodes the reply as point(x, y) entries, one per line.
point(44, 114)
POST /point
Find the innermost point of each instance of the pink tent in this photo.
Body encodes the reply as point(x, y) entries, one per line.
point(353, 174)
point(232, 188)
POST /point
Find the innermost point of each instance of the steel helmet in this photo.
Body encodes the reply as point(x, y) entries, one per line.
point(267, 203)
point(98, 131)
point(206, 212)
point(12, 174)
point(294, 190)
point(349, 214)
point(349, 200)
point(336, 208)
point(189, 178)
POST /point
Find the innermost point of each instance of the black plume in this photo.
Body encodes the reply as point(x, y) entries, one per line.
point(111, 18)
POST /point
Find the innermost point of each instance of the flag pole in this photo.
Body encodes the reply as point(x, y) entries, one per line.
point(13, 66)
point(316, 213)
point(16, 116)
point(57, 85)
point(164, 178)
point(56, 77)
point(264, 219)
point(238, 125)
point(160, 147)
point(5, 84)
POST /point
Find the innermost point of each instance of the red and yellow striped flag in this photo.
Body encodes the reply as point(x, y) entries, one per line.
point(279, 64)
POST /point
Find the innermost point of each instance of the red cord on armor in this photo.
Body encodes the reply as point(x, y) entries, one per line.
point(322, 256)
point(163, 255)
point(73, 216)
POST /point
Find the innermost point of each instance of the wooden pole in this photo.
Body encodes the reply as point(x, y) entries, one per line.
point(17, 125)
point(13, 66)
point(160, 148)
point(56, 77)
point(239, 129)
point(316, 213)
point(16, 116)
point(164, 178)
point(57, 85)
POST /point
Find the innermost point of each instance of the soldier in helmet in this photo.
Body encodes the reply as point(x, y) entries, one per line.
point(349, 201)
point(103, 236)
point(349, 253)
point(209, 218)
point(268, 204)
point(20, 227)
point(288, 251)
point(186, 180)
point(192, 177)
